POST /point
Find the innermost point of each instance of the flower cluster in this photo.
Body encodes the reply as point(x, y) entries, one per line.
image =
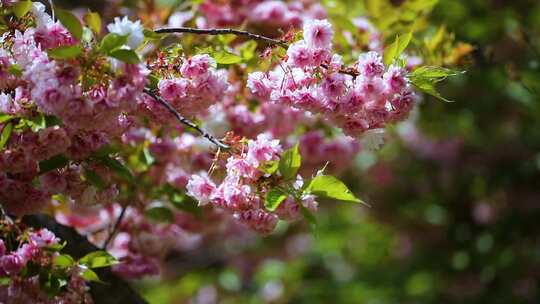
point(24, 262)
point(314, 81)
point(247, 180)
point(200, 86)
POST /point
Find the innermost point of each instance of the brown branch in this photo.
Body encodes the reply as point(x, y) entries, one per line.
point(115, 228)
point(282, 43)
point(186, 121)
point(214, 32)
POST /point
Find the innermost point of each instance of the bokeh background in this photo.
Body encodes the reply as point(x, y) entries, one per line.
point(455, 194)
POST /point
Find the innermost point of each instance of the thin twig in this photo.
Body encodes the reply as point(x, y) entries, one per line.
point(186, 121)
point(115, 228)
point(225, 31)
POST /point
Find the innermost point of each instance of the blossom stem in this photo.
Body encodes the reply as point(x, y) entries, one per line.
point(115, 228)
point(224, 31)
point(186, 121)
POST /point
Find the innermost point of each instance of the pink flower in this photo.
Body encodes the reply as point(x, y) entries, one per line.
point(197, 65)
point(2, 248)
point(53, 182)
point(241, 167)
point(236, 196)
point(200, 187)
point(12, 263)
point(318, 33)
point(43, 238)
point(333, 86)
point(173, 89)
point(300, 55)
point(263, 150)
point(258, 220)
point(259, 85)
point(395, 80)
point(370, 64)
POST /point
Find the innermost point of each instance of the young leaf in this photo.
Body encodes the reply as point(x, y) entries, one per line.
point(111, 42)
point(117, 167)
point(394, 51)
point(224, 57)
point(274, 198)
point(5, 135)
point(98, 259)
point(433, 73)
point(425, 78)
point(65, 52)
point(290, 162)
point(64, 261)
point(72, 23)
point(55, 162)
point(93, 20)
point(21, 8)
point(127, 56)
point(90, 276)
point(326, 186)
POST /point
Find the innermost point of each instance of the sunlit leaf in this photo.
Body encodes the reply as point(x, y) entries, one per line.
point(98, 259)
point(290, 162)
point(5, 135)
point(93, 20)
point(274, 198)
point(65, 52)
point(326, 186)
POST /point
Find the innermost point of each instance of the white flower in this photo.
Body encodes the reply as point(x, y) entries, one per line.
point(133, 30)
point(42, 18)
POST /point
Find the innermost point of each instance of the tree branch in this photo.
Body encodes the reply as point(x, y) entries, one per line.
point(214, 32)
point(282, 43)
point(116, 290)
point(186, 121)
point(115, 228)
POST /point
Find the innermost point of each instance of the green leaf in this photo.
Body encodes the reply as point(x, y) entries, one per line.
point(64, 261)
point(21, 8)
point(98, 259)
point(274, 198)
point(117, 167)
point(90, 276)
point(269, 167)
point(71, 22)
point(5, 135)
point(433, 73)
point(111, 42)
point(5, 117)
point(394, 51)
point(55, 162)
point(290, 162)
point(93, 20)
point(224, 57)
point(95, 179)
point(127, 56)
point(326, 186)
point(65, 52)
point(425, 78)
point(159, 213)
point(247, 49)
